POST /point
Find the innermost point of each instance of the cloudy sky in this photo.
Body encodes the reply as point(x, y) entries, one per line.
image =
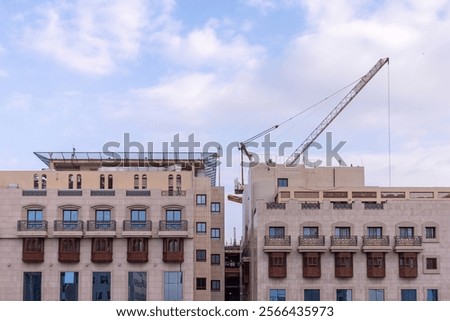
point(81, 73)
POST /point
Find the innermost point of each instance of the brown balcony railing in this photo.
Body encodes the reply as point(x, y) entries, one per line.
point(173, 225)
point(277, 241)
point(375, 241)
point(32, 226)
point(101, 225)
point(68, 226)
point(344, 241)
point(137, 225)
point(408, 241)
point(275, 206)
point(69, 250)
point(318, 240)
point(33, 250)
point(173, 257)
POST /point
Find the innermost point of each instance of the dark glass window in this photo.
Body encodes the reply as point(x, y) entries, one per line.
point(312, 295)
point(32, 284)
point(200, 255)
point(276, 232)
point(430, 232)
point(201, 283)
point(343, 295)
point(376, 295)
point(277, 295)
point(101, 286)
point(282, 182)
point(137, 286)
point(215, 285)
point(409, 295)
point(68, 286)
point(432, 295)
point(215, 259)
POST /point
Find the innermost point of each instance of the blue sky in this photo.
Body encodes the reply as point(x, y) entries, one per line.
point(83, 73)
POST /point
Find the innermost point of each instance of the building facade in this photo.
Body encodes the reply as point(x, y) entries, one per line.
point(322, 234)
point(124, 227)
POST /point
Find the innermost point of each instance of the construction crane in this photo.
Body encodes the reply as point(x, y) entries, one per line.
point(292, 160)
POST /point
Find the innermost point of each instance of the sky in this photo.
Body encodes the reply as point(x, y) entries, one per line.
point(82, 73)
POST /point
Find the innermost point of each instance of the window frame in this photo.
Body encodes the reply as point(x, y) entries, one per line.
point(215, 285)
point(276, 232)
point(200, 255)
point(215, 259)
point(215, 233)
point(277, 294)
point(200, 283)
point(215, 207)
point(200, 199)
point(408, 295)
point(282, 182)
point(63, 286)
point(311, 295)
point(200, 228)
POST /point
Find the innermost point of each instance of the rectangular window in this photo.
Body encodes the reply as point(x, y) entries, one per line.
point(101, 286)
point(277, 295)
point(201, 199)
point(68, 286)
point(409, 295)
point(406, 232)
point(312, 295)
point(215, 207)
point(432, 295)
point(215, 259)
point(376, 295)
point(173, 286)
point(200, 255)
point(200, 283)
point(137, 286)
point(342, 232)
point(201, 227)
point(34, 219)
point(374, 232)
point(311, 231)
point(430, 232)
point(173, 215)
point(215, 233)
point(276, 232)
point(102, 219)
point(344, 295)
point(138, 215)
point(282, 182)
point(215, 285)
point(32, 284)
point(431, 263)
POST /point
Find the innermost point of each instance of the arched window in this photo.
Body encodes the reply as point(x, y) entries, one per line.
point(110, 181)
point(78, 181)
point(36, 181)
point(70, 181)
point(178, 184)
point(170, 185)
point(144, 181)
point(102, 181)
point(44, 181)
point(136, 181)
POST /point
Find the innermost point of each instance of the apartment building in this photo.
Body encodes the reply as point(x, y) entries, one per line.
point(322, 234)
point(128, 226)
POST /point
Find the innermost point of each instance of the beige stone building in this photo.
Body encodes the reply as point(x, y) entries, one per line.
point(322, 234)
point(125, 227)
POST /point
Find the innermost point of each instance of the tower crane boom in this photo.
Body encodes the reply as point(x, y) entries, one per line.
point(292, 160)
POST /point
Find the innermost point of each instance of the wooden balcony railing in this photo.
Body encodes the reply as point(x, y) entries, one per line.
point(173, 257)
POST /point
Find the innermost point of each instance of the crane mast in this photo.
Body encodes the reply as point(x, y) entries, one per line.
point(292, 160)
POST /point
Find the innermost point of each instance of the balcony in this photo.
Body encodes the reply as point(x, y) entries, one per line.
point(102, 250)
point(342, 206)
point(311, 243)
point(69, 250)
point(173, 193)
point(137, 192)
point(376, 265)
point(68, 228)
point(33, 250)
point(103, 192)
point(32, 228)
point(343, 265)
point(137, 250)
point(344, 244)
point(310, 206)
point(101, 228)
point(173, 250)
point(275, 206)
point(277, 244)
point(34, 192)
point(376, 244)
point(373, 206)
point(407, 265)
point(173, 257)
point(277, 265)
point(173, 228)
point(408, 244)
point(137, 228)
point(311, 265)
point(70, 192)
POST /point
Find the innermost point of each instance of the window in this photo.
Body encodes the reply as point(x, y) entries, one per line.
point(144, 181)
point(70, 183)
point(312, 294)
point(215, 259)
point(215, 207)
point(78, 181)
point(201, 228)
point(68, 286)
point(136, 181)
point(376, 295)
point(69, 250)
point(170, 184)
point(215, 233)
point(200, 255)
point(343, 264)
point(137, 286)
point(32, 284)
point(432, 295)
point(277, 295)
point(70, 219)
point(276, 232)
point(282, 182)
point(407, 265)
point(406, 232)
point(277, 265)
point(215, 285)
point(36, 181)
point(374, 232)
point(431, 263)
point(173, 286)
point(311, 232)
point(430, 232)
point(44, 181)
point(102, 219)
point(178, 184)
point(173, 219)
point(138, 215)
point(34, 219)
point(200, 283)
point(101, 286)
point(201, 199)
point(409, 295)
point(110, 181)
point(343, 295)
point(102, 181)
point(342, 232)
